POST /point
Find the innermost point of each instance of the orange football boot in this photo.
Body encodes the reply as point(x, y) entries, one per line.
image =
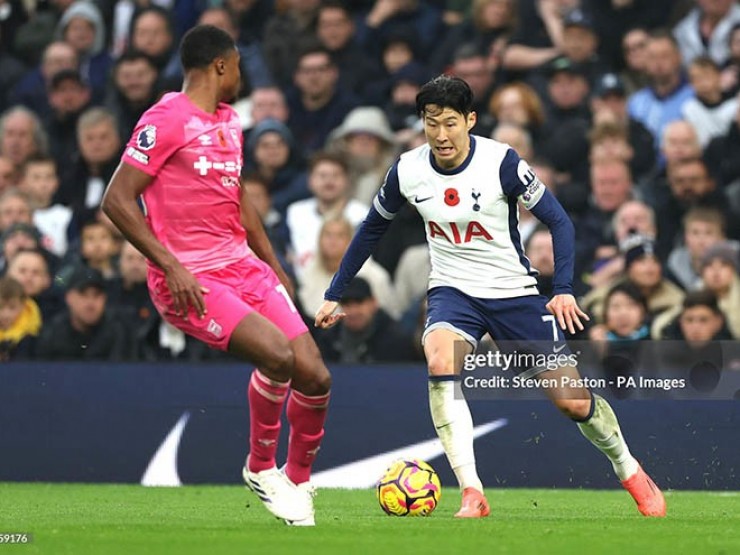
point(649, 498)
point(474, 504)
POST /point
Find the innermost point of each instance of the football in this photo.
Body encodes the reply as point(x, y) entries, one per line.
point(409, 488)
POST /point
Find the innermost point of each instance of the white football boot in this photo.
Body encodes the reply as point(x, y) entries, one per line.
point(282, 497)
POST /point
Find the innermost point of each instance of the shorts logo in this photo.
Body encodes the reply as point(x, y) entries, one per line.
point(147, 138)
point(214, 328)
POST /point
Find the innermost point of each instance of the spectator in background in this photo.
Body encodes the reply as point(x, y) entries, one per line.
point(328, 181)
point(706, 29)
point(580, 43)
point(539, 34)
point(317, 105)
point(84, 181)
point(98, 248)
point(20, 321)
point(335, 30)
point(251, 17)
point(518, 104)
point(128, 296)
point(643, 269)
point(268, 103)
point(8, 174)
point(400, 108)
point(411, 282)
point(334, 238)
point(488, 21)
point(87, 330)
point(272, 153)
point(563, 136)
point(626, 316)
point(691, 185)
point(609, 104)
point(21, 135)
point(11, 72)
point(611, 186)
point(286, 33)
point(69, 97)
point(82, 27)
point(30, 268)
point(697, 321)
point(702, 228)
point(708, 112)
point(720, 267)
point(541, 257)
point(15, 208)
point(634, 51)
point(366, 334)
point(31, 90)
point(731, 69)
point(366, 142)
point(39, 181)
point(471, 64)
point(258, 190)
point(389, 17)
point(661, 102)
point(133, 90)
point(152, 33)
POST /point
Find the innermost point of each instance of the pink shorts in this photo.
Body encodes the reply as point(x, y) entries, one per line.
point(239, 289)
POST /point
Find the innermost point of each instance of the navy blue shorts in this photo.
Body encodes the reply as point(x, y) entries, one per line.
point(518, 323)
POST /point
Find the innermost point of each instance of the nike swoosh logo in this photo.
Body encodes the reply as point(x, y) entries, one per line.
point(162, 469)
point(418, 200)
point(364, 472)
point(556, 350)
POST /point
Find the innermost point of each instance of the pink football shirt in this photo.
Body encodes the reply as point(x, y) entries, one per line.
point(193, 203)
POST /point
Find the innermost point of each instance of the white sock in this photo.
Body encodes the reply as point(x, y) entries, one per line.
point(454, 425)
point(602, 429)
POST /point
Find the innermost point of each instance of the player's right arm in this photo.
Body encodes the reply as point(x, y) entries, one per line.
point(121, 206)
point(386, 205)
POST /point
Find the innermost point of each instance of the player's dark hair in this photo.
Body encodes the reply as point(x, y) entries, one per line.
point(445, 91)
point(202, 44)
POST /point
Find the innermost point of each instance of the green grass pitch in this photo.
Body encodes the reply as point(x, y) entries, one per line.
point(133, 520)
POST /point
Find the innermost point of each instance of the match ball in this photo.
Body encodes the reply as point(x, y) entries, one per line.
point(409, 488)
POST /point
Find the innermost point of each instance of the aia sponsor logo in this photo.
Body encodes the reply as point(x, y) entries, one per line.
point(453, 233)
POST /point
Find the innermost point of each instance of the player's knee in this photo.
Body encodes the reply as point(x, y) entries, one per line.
point(281, 362)
point(575, 409)
point(440, 365)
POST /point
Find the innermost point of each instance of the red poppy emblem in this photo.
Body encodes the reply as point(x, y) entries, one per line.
point(221, 138)
point(451, 197)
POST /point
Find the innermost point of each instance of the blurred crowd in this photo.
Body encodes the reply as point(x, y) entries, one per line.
point(627, 109)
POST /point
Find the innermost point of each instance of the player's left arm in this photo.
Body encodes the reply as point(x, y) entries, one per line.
point(519, 180)
point(259, 242)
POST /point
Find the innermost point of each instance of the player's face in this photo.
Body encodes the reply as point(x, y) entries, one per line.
point(448, 135)
point(232, 77)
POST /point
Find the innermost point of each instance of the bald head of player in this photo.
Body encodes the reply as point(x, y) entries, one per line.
point(210, 62)
point(445, 105)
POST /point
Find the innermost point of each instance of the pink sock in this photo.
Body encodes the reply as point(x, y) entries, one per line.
point(306, 416)
point(266, 400)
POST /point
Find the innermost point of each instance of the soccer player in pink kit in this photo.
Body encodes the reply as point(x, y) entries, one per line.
point(212, 272)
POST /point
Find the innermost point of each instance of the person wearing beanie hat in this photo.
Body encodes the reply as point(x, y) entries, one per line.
point(271, 151)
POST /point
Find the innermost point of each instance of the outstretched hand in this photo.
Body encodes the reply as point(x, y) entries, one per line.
point(325, 317)
point(566, 310)
point(185, 290)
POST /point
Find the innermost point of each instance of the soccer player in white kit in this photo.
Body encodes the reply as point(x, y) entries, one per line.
point(466, 189)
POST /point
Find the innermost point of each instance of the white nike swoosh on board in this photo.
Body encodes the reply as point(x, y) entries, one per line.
point(365, 472)
point(162, 468)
